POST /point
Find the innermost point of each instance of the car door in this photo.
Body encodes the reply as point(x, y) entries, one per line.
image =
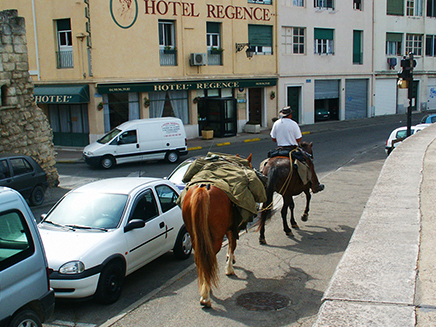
point(145, 244)
point(5, 173)
point(171, 213)
point(23, 177)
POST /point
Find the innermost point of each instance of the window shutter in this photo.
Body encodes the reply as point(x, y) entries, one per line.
point(213, 28)
point(63, 24)
point(395, 7)
point(394, 37)
point(323, 34)
point(260, 35)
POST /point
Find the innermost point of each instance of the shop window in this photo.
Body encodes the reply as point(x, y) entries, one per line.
point(431, 8)
point(213, 40)
point(323, 43)
point(119, 108)
point(65, 44)
point(167, 43)
point(358, 47)
point(394, 44)
point(395, 7)
point(323, 4)
point(169, 104)
point(414, 44)
point(260, 39)
point(430, 45)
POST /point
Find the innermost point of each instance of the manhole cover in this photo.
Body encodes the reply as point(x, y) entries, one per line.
point(262, 301)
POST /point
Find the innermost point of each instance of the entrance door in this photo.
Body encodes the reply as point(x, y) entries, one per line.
point(218, 114)
point(255, 105)
point(70, 124)
point(294, 101)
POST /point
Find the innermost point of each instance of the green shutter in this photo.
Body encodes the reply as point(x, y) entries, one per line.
point(394, 37)
point(395, 7)
point(213, 27)
point(260, 35)
point(357, 47)
point(63, 24)
point(323, 34)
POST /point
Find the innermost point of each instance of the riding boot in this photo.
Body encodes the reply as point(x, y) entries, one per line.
point(316, 186)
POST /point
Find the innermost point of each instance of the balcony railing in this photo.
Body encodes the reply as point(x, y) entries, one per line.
point(168, 57)
point(214, 57)
point(65, 59)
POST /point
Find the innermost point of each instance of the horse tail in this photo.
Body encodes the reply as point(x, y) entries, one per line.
point(205, 256)
point(268, 204)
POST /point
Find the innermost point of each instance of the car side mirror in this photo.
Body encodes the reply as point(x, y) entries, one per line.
point(134, 224)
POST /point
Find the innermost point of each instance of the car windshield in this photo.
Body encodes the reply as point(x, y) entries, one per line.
point(95, 210)
point(109, 136)
point(177, 175)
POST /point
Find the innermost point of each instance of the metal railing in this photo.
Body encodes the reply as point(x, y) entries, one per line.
point(65, 59)
point(168, 57)
point(214, 58)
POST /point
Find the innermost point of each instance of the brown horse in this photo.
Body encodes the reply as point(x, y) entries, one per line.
point(209, 214)
point(287, 183)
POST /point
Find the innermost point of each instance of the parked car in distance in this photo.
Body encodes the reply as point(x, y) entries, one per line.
point(103, 231)
point(321, 114)
point(177, 174)
point(24, 174)
point(428, 119)
point(26, 298)
point(399, 134)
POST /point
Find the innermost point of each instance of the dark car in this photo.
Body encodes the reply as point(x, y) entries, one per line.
point(23, 173)
point(321, 114)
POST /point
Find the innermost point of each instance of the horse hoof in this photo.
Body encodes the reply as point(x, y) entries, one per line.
point(295, 226)
point(290, 234)
point(262, 241)
point(206, 304)
point(305, 217)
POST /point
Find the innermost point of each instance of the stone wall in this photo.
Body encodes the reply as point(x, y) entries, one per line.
point(24, 128)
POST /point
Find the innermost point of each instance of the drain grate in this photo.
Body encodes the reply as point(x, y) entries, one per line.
point(262, 301)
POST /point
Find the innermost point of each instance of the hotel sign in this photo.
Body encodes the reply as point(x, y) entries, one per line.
point(184, 85)
point(125, 12)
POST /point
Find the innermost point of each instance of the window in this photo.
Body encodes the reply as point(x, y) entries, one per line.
point(167, 197)
point(430, 45)
point(146, 207)
point(431, 8)
point(167, 43)
point(260, 39)
point(16, 242)
point(325, 4)
point(4, 169)
point(119, 108)
point(299, 3)
point(21, 166)
point(395, 7)
point(323, 41)
point(266, 2)
point(394, 44)
point(357, 4)
point(414, 8)
point(65, 44)
point(213, 41)
point(293, 39)
point(169, 104)
point(414, 44)
point(358, 47)
point(128, 137)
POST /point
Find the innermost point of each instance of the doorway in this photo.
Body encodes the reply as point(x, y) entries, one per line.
point(294, 101)
point(255, 105)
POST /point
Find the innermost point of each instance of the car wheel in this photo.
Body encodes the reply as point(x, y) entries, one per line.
point(26, 318)
point(37, 196)
point(183, 246)
point(110, 283)
point(107, 162)
point(172, 156)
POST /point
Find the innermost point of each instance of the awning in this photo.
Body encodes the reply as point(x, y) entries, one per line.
point(61, 94)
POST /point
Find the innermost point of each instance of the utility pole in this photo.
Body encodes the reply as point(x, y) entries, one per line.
point(407, 75)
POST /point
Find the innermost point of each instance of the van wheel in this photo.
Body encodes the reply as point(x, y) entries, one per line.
point(37, 196)
point(183, 247)
point(110, 283)
point(26, 318)
point(107, 162)
point(172, 157)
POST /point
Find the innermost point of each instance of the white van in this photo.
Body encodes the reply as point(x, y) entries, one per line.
point(137, 140)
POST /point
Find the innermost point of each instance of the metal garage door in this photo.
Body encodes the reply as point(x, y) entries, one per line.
point(431, 97)
point(385, 97)
point(326, 89)
point(356, 98)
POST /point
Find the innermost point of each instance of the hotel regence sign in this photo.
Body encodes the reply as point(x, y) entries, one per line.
point(125, 12)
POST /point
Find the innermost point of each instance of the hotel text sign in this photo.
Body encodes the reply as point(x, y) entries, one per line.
point(125, 12)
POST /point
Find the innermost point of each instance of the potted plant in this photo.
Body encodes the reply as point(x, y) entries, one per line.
point(207, 133)
point(170, 50)
point(272, 95)
point(216, 50)
point(100, 106)
point(196, 99)
point(252, 127)
point(146, 102)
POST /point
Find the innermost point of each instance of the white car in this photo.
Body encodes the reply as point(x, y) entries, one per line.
point(399, 134)
point(103, 231)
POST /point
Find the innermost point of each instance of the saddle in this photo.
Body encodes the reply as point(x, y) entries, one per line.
point(298, 161)
point(284, 152)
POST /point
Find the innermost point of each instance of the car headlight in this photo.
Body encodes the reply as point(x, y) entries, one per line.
point(88, 153)
point(71, 268)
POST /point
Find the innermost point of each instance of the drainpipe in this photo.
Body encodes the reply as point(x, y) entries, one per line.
point(36, 40)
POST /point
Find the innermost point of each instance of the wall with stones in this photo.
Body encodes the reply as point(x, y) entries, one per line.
point(24, 128)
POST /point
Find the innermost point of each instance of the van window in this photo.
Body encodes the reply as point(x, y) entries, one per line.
point(128, 137)
point(109, 136)
point(16, 241)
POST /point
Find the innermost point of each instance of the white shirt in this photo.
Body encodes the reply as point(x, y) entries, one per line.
point(286, 132)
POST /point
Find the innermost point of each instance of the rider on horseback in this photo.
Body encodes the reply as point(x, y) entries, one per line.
point(287, 134)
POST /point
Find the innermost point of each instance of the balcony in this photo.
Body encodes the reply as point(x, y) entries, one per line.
point(214, 57)
point(65, 59)
point(168, 57)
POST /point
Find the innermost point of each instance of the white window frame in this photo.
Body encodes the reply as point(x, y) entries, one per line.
point(324, 4)
point(163, 25)
point(322, 46)
point(298, 3)
point(213, 40)
point(392, 48)
point(414, 44)
point(265, 2)
point(288, 38)
point(358, 5)
point(414, 8)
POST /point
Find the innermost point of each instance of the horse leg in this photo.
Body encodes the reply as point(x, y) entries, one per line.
point(262, 220)
point(205, 295)
point(305, 216)
point(230, 254)
point(288, 203)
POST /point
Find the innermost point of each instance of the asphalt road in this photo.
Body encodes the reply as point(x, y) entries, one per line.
point(341, 159)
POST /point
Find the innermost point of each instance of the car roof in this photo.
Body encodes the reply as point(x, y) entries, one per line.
point(119, 185)
point(14, 155)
